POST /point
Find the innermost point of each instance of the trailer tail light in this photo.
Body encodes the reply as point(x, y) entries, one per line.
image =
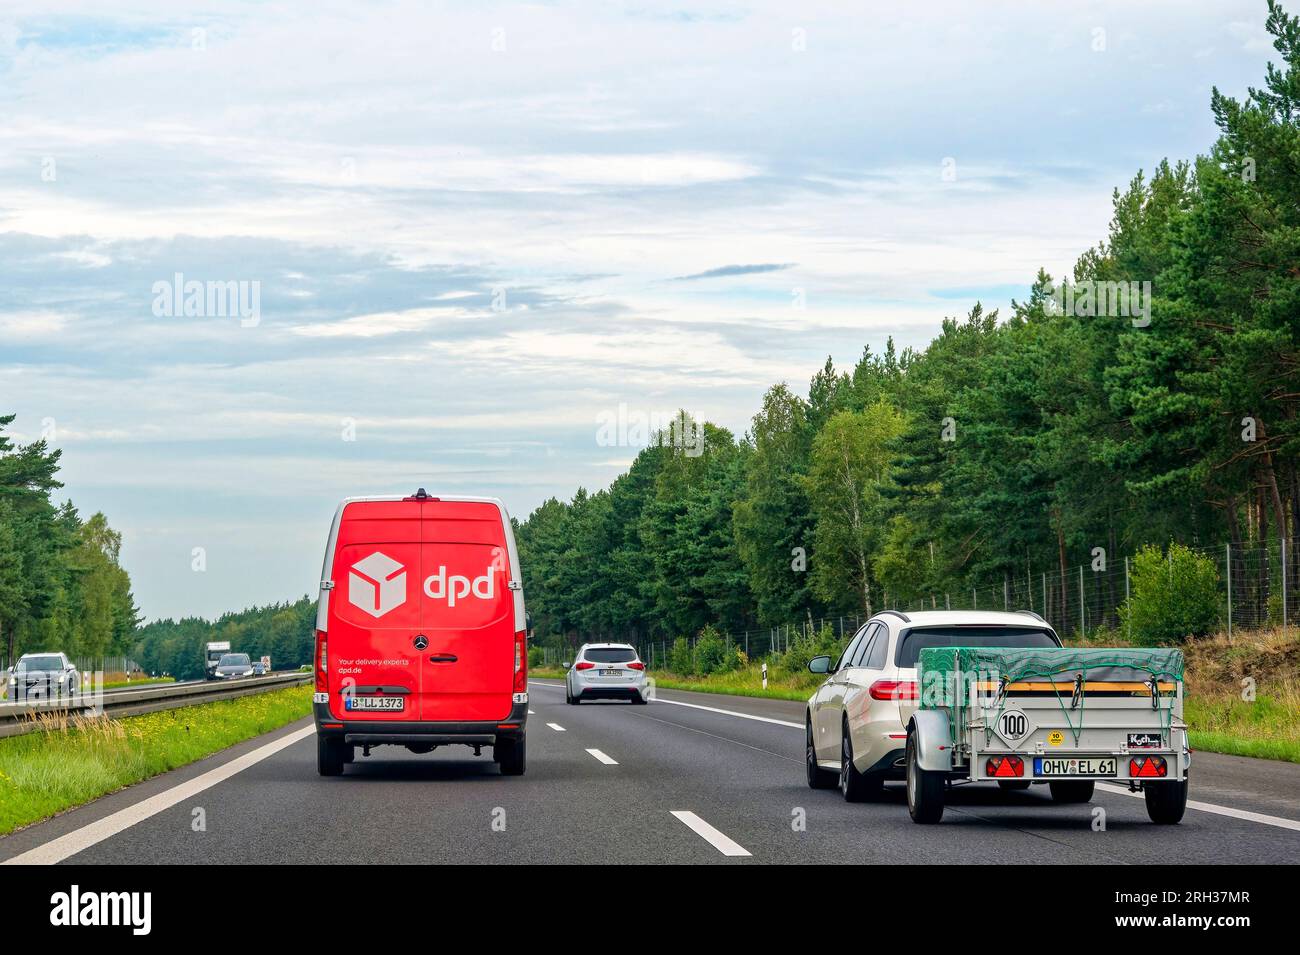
point(1148, 767)
point(636, 665)
point(1004, 767)
point(584, 665)
point(322, 664)
point(521, 661)
point(894, 690)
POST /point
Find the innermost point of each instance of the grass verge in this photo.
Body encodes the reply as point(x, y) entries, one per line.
point(47, 772)
point(147, 681)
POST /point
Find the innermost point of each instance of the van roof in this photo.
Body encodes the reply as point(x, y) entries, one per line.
point(459, 498)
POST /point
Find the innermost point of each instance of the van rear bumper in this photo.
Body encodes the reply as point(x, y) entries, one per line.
point(405, 732)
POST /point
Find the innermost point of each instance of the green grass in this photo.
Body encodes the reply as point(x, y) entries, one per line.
point(146, 681)
point(47, 772)
point(747, 681)
point(1266, 728)
point(732, 687)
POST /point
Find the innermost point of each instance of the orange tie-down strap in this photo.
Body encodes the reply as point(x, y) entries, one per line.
point(1068, 687)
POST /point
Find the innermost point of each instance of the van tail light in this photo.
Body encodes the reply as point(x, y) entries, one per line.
point(636, 665)
point(584, 665)
point(521, 661)
point(322, 664)
point(1148, 767)
point(1005, 767)
point(893, 690)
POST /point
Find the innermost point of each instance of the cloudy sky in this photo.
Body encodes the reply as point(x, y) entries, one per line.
point(473, 228)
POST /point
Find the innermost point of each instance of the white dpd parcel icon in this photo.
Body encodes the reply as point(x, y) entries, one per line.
point(377, 584)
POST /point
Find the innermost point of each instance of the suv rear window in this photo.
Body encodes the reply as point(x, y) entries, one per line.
point(609, 655)
point(918, 638)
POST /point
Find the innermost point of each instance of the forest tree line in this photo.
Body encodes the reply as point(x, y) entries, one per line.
point(1009, 445)
point(62, 586)
point(286, 632)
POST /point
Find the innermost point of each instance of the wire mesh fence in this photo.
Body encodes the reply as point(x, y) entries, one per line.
point(1256, 588)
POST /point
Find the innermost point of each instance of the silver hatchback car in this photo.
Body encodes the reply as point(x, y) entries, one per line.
point(605, 671)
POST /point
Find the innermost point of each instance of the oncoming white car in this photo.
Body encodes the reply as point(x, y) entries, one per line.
point(605, 671)
point(856, 732)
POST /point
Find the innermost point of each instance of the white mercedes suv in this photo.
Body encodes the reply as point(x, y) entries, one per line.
point(605, 671)
point(857, 720)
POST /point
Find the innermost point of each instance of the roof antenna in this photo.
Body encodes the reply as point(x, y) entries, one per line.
point(421, 494)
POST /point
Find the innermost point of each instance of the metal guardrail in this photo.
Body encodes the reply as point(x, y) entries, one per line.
point(19, 718)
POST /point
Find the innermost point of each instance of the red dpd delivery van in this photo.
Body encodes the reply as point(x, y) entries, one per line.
point(421, 630)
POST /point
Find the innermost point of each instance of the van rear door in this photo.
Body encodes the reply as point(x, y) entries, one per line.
point(374, 612)
point(467, 612)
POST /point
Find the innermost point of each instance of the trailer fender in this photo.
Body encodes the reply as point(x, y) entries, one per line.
point(933, 741)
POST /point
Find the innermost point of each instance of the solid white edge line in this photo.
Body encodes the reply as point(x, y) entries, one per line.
point(69, 844)
point(602, 757)
point(1245, 814)
point(557, 727)
point(723, 843)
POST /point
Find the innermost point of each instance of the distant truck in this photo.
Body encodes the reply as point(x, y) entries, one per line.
point(212, 654)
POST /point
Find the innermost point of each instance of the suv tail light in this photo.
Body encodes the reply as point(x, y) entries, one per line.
point(1004, 766)
point(521, 661)
point(584, 665)
point(636, 665)
point(322, 664)
point(893, 690)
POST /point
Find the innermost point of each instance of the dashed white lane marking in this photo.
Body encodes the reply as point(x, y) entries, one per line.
point(603, 758)
point(723, 843)
point(556, 726)
point(56, 850)
point(531, 713)
point(1220, 810)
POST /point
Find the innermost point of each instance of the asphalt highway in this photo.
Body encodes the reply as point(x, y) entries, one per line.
point(676, 781)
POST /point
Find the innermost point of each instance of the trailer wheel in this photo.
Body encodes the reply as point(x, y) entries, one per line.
point(1072, 790)
point(329, 756)
point(924, 788)
point(1166, 802)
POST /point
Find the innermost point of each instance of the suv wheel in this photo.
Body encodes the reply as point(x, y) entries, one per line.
point(1072, 790)
point(818, 778)
point(854, 786)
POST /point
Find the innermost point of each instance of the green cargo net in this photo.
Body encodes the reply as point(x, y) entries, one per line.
point(950, 676)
